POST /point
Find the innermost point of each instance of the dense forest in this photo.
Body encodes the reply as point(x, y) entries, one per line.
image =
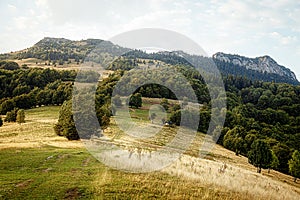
point(26, 88)
point(258, 113)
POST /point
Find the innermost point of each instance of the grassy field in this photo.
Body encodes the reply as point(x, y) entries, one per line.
point(34, 62)
point(36, 164)
point(36, 132)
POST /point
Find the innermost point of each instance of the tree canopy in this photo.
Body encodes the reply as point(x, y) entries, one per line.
point(260, 155)
point(294, 165)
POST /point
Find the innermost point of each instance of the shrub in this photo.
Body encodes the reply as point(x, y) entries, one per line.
point(20, 116)
point(11, 116)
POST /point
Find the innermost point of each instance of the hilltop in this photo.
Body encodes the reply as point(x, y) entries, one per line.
point(65, 53)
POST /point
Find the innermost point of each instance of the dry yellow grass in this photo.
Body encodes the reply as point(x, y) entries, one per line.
point(233, 179)
point(33, 62)
point(239, 177)
point(36, 132)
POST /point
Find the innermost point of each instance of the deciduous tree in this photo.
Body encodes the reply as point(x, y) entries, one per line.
point(294, 165)
point(260, 155)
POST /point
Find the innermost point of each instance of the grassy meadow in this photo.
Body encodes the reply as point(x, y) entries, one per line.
point(37, 164)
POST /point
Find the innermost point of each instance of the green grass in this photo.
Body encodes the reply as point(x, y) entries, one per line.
point(54, 173)
point(38, 127)
point(45, 173)
point(139, 114)
point(48, 112)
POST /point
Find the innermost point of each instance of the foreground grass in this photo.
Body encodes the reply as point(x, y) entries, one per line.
point(36, 164)
point(54, 173)
point(45, 173)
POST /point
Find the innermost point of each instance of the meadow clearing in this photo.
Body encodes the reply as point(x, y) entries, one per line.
point(37, 164)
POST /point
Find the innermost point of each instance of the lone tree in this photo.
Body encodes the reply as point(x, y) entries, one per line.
point(165, 104)
point(66, 125)
point(86, 124)
point(135, 100)
point(294, 165)
point(260, 155)
point(152, 117)
point(184, 102)
point(20, 116)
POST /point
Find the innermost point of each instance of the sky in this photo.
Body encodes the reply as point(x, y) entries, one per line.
point(249, 28)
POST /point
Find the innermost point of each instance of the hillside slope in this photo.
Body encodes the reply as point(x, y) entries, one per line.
point(46, 161)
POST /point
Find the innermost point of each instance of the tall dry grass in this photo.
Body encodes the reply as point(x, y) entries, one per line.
point(233, 179)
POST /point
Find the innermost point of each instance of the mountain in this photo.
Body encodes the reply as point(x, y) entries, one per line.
point(260, 68)
point(63, 50)
point(257, 69)
point(55, 49)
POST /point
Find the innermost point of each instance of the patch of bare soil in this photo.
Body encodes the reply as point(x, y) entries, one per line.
point(72, 193)
point(24, 184)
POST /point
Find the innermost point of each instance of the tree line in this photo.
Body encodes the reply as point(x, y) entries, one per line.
point(26, 88)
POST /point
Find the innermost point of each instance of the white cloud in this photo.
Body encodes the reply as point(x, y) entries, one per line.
point(12, 8)
point(284, 40)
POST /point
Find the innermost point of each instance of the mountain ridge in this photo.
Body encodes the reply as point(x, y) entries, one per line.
point(263, 68)
point(262, 64)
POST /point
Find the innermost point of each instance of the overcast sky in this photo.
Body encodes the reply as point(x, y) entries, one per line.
point(250, 28)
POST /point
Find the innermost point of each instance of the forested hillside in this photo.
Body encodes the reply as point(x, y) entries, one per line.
point(26, 88)
point(258, 113)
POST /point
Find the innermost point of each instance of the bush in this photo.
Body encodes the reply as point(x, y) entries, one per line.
point(11, 116)
point(20, 116)
point(165, 104)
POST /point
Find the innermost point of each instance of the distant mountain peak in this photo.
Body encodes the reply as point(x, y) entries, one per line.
point(262, 64)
